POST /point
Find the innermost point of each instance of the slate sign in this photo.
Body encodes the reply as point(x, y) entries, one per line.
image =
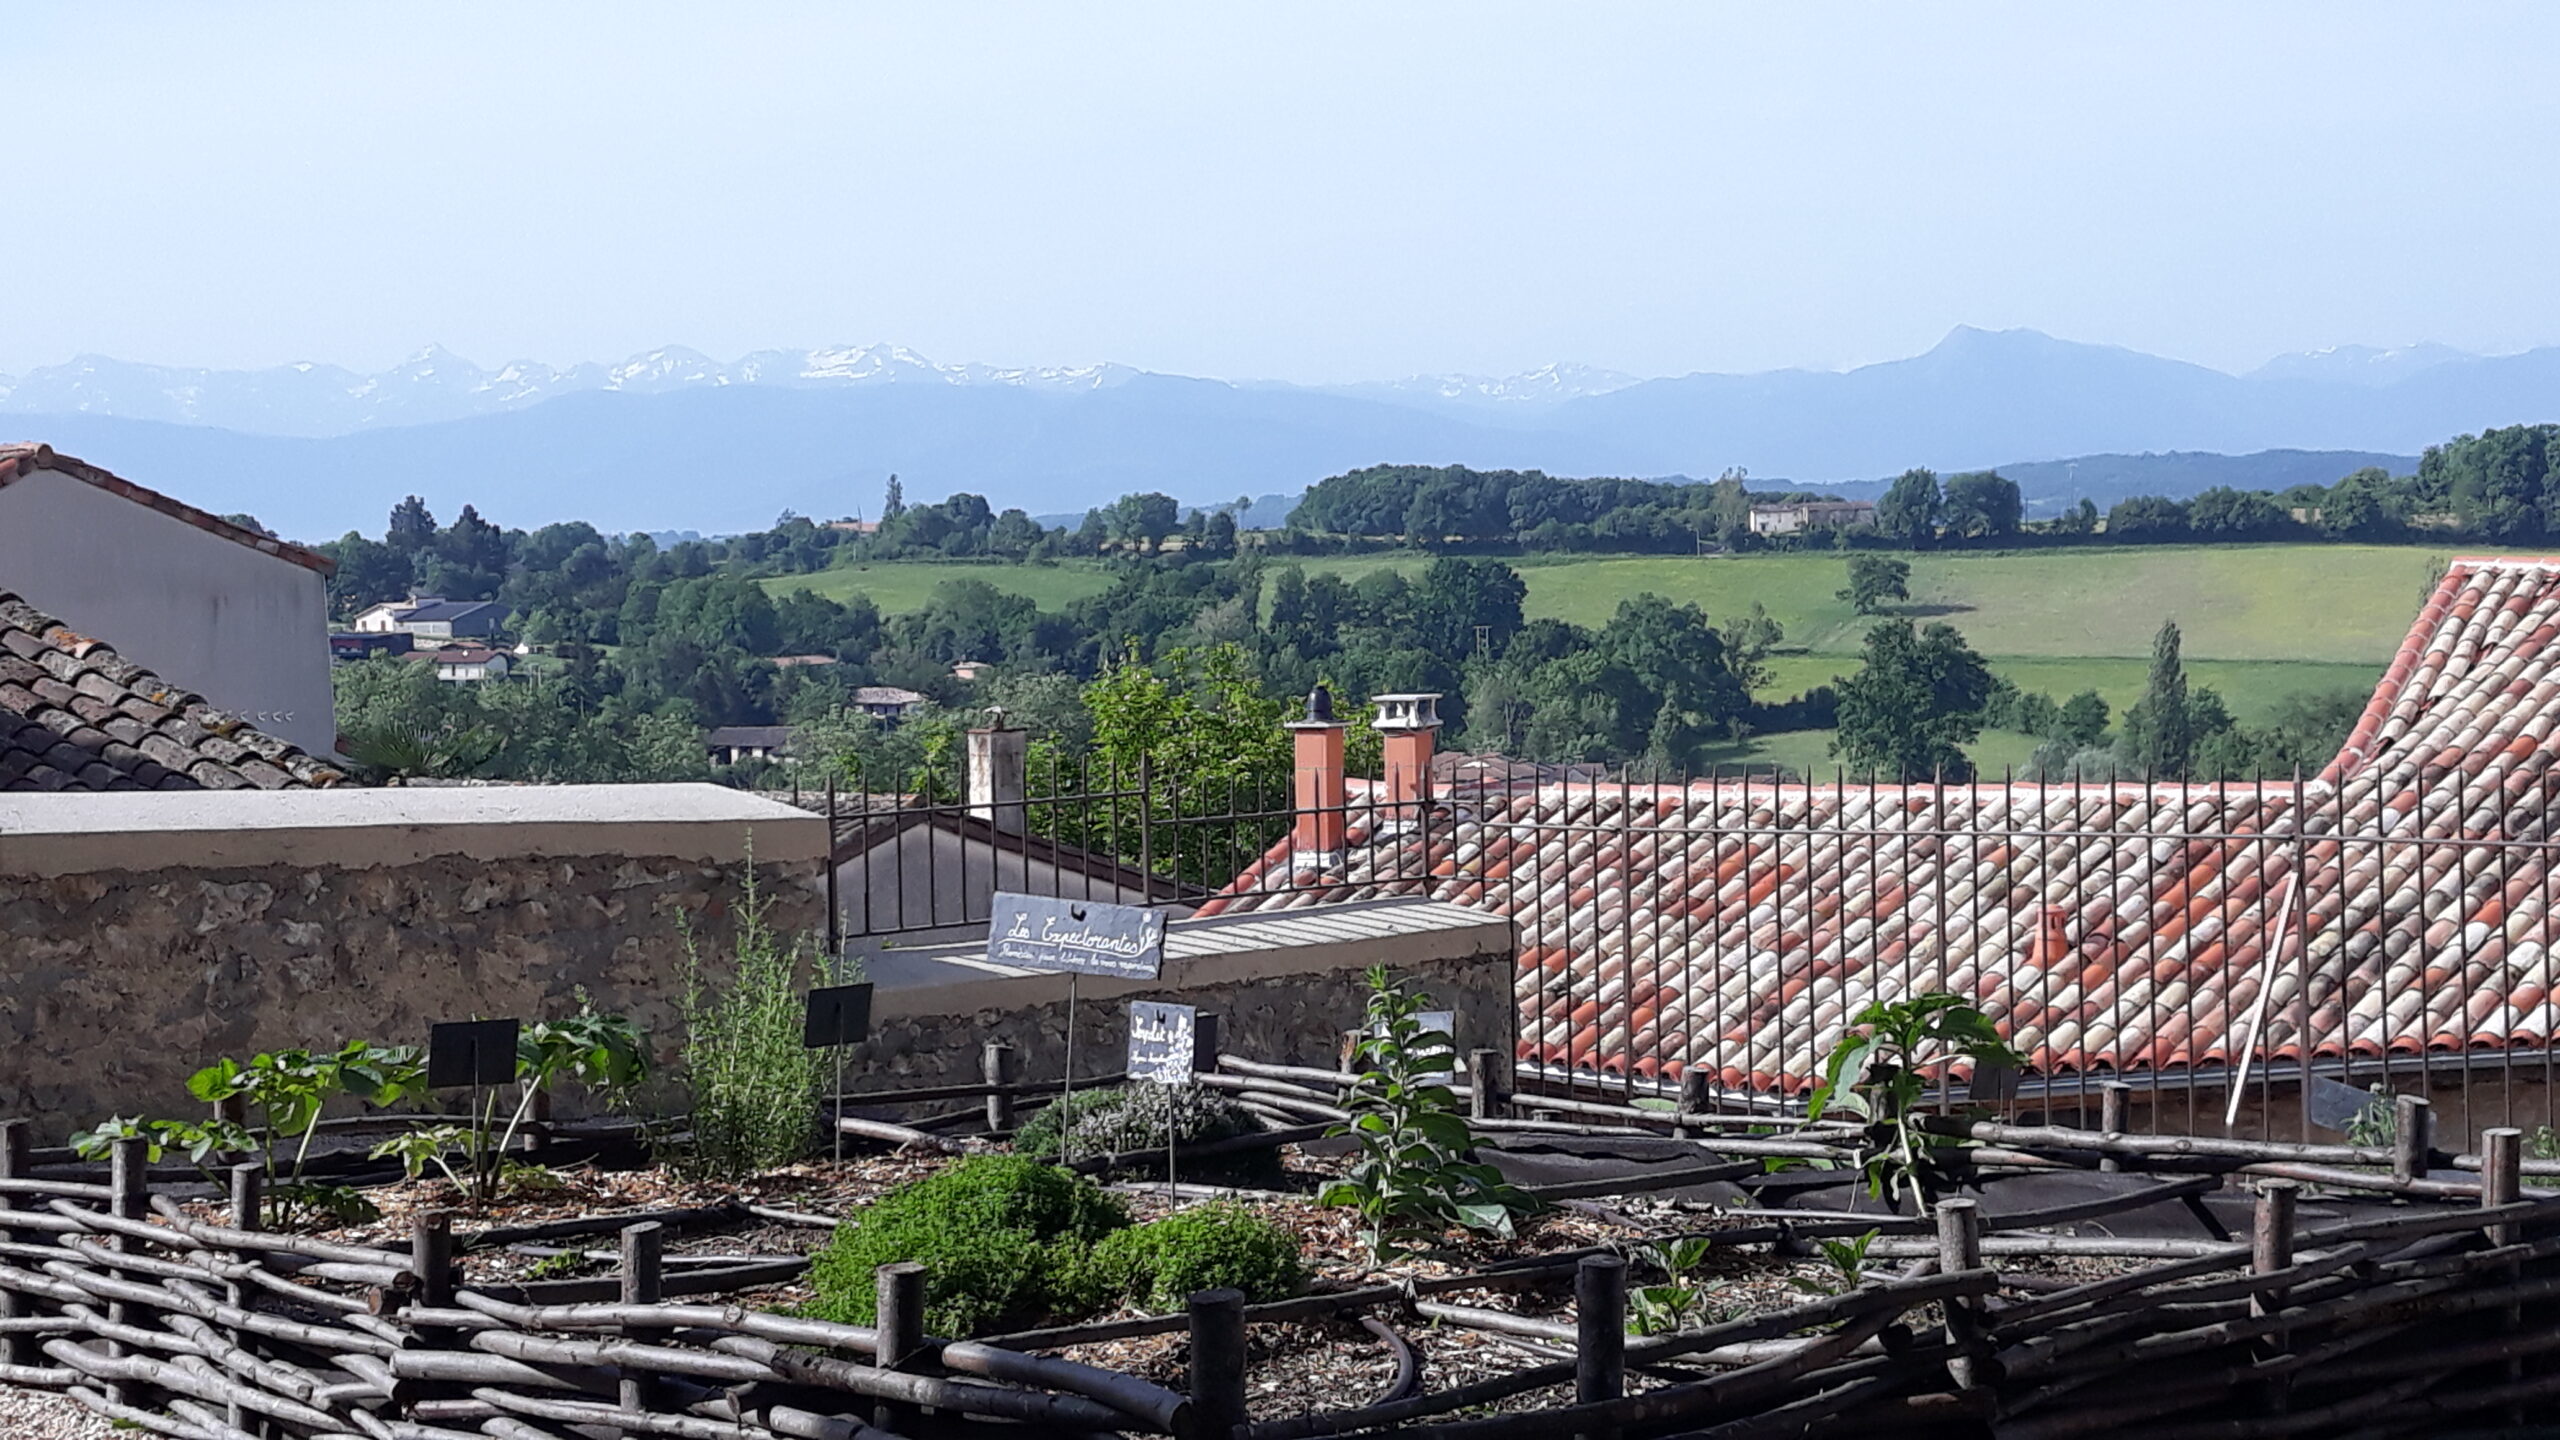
point(838, 1015)
point(472, 1052)
point(1168, 1042)
point(2335, 1106)
point(1991, 1081)
point(1085, 937)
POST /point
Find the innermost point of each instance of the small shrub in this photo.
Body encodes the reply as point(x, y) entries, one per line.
point(1004, 1239)
point(1132, 1120)
point(753, 1088)
point(1164, 1262)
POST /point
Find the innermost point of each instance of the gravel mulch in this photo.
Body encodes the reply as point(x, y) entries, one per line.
point(43, 1415)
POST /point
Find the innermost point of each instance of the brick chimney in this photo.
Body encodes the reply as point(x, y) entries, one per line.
point(997, 754)
point(1409, 724)
point(1323, 790)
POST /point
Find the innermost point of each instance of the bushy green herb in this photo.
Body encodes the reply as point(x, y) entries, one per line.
point(1879, 1071)
point(753, 1087)
point(1164, 1262)
point(1414, 1177)
point(1004, 1239)
point(1133, 1121)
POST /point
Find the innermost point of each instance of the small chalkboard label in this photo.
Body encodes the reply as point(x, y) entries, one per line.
point(1168, 1043)
point(2335, 1106)
point(472, 1052)
point(838, 1015)
point(1991, 1081)
point(1083, 937)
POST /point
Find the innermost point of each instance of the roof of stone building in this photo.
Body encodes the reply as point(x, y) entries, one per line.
point(2106, 927)
point(19, 461)
point(75, 715)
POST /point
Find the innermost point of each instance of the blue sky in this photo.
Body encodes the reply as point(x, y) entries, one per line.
point(1310, 192)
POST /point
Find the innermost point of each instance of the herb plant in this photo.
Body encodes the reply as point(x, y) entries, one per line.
point(1848, 1260)
point(1661, 1309)
point(1414, 1177)
point(1879, 1071)
point(753, 1087)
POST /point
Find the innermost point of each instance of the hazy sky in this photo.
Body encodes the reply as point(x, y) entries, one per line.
point(1301, 191)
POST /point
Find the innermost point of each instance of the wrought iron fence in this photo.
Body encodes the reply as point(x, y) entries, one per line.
point(2242, 954)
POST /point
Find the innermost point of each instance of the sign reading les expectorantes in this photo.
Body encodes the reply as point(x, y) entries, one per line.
point(1087, 937)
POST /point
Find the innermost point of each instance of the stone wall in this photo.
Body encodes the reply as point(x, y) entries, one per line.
point(1284, 986)
point(139, 942)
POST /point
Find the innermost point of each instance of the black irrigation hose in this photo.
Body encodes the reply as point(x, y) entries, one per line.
point(1408, 1365)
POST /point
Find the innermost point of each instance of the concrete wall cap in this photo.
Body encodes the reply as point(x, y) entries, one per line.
point(61, 834)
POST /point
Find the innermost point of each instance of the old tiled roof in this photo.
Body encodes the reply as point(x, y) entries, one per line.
point(885, 695)
point(19, 461)
point(2398, 904)
point(768, 737)
point(74, 715)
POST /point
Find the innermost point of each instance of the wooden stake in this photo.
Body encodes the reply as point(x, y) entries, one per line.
point(2413, 1132)
point(16, 1163)
point(1960, 1249)
point(2501, 1171)
point(2270, 1250)
point(2115, 1101)
point(1485, 1099)
point(998, 1064)
point(129, 1181)
point(644, 1249)
point(1217, 1363)
point(1600, 1329)
point(900, 1289)
point(248, 1212)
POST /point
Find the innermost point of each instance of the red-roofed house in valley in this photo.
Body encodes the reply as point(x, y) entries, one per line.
point(238, 616)
point(2389, 916)
point(463, 662)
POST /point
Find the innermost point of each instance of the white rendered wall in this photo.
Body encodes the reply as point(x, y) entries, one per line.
point(248, 631)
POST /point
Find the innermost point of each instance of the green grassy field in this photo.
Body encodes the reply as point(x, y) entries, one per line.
point(2252, 688)
point(2341, 604)
point(899, 585)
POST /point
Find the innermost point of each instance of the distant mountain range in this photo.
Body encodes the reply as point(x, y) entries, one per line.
point(673, 439)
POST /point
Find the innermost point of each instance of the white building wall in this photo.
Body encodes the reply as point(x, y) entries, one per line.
point(248, 631)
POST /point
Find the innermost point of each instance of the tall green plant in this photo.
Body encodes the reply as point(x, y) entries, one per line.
point(1415, 1176)
point(1879, 1071)
point(753, 1086)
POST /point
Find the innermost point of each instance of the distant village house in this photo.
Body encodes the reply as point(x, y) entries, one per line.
point(463, 663)
point(733, 744)
point(1812, 515)
point(886, 701)
point(432, 620)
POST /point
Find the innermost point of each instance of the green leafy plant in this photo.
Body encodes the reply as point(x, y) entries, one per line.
point(285, 1092)
point(1135, 1121)
point(753, 1087)
point(605, 1053)
point(1879, 1072)
point(559, 1265)
point(1005, 1238)
point(1848, 1260)
point(2543, 1143)
point(1164, 1262)
point(1414, 1177)
point(1666, 1307)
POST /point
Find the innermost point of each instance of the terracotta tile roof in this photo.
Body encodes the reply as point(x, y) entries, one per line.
point(21, 460)
point(74, 715)
point(2405, 894)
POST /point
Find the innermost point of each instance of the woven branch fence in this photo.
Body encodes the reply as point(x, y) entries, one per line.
point(2434, 1311)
